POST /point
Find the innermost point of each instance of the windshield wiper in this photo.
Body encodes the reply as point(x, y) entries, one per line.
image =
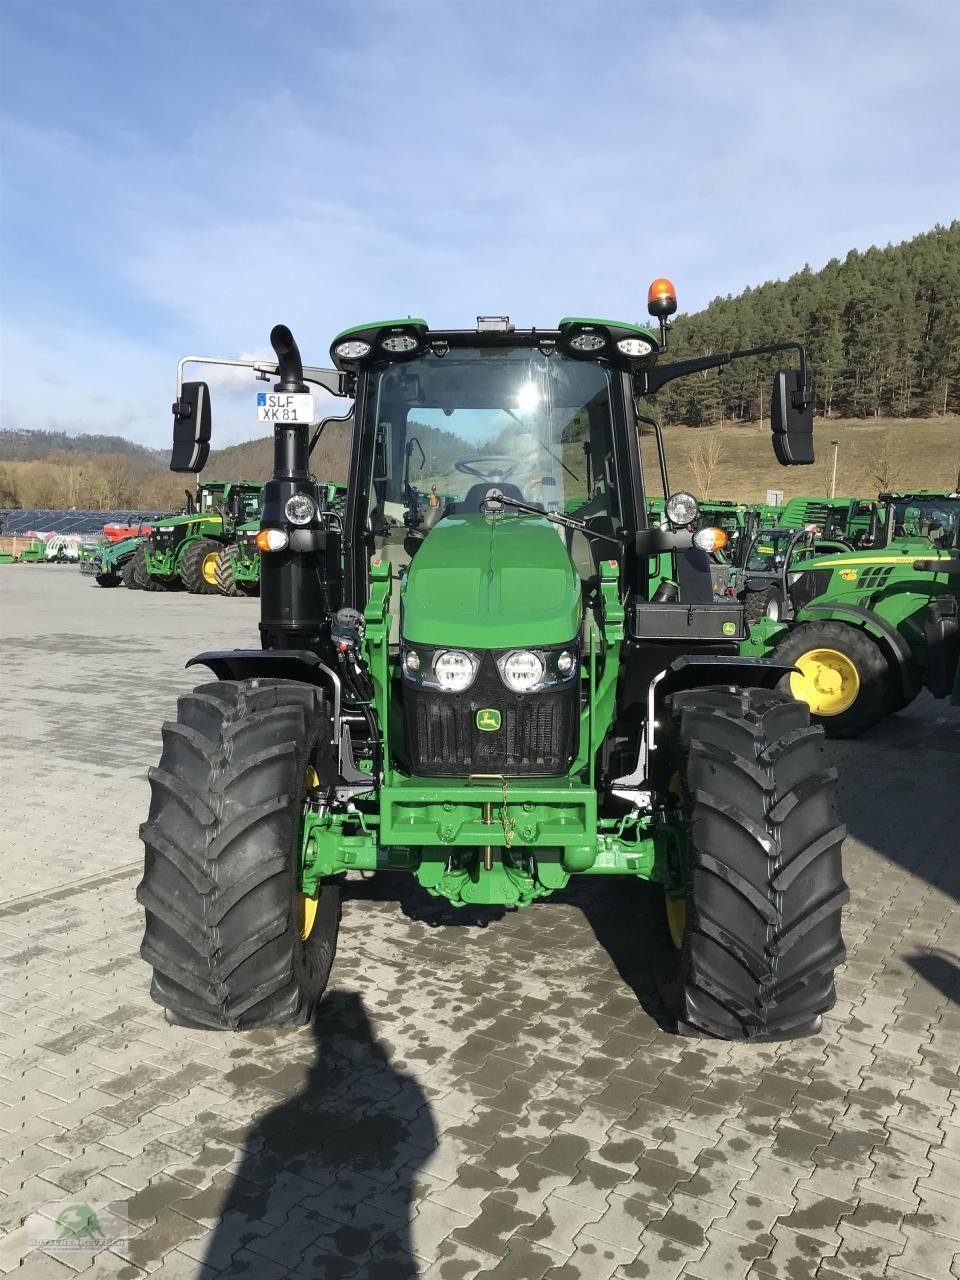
point(568, 522)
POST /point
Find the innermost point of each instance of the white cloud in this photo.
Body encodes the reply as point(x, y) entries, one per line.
point(454, 160)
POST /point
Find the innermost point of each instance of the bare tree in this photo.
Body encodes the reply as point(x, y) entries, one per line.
point(884, 467)
point(704, 459)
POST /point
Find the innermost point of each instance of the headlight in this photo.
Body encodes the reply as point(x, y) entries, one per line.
point(529, 670)
point(454, 670)
point(399, 344)
point(588, 341)
point(300, 509)
point(352, 349)
point(411, 661)
point(634, 347)
point(521, 670)
point(710, 539)
point(682, 508)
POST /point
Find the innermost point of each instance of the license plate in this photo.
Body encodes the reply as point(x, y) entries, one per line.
point(285, 406)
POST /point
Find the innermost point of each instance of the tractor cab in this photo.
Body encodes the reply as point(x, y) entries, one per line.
point(922, 514)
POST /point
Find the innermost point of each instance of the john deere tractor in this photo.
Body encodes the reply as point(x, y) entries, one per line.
point(495, 676)
point(183, 550)
point(870, 629)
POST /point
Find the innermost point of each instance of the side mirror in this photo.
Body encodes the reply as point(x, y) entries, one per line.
point(791, 419)
point(191, 428)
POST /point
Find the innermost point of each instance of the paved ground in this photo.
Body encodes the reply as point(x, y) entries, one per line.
point(495, 1100)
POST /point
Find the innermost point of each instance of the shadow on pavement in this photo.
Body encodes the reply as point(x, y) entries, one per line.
point(328, 1173)
point(626, 917)
point(940, 969)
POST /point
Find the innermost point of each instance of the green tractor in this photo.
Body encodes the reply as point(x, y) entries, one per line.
point(495, 693)
point(238, 564)
point(870, 629)
point(108, 562)
point(183, 550)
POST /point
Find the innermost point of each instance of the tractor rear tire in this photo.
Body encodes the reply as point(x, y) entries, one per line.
point(198, 567)
point(761, 937)
point(128, 574)
point(222, 858)
point(226, 583)
point(763, 604)
point(145, 580)
point(866, 672)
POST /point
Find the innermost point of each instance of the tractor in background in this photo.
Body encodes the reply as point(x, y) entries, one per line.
point(183, 550)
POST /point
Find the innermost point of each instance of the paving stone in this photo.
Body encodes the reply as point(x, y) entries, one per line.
point(524, 1116)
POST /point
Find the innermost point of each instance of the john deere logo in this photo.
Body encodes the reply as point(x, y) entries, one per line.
point(729, 628)
point(488, 720)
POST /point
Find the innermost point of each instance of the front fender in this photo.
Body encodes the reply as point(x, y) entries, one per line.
point(274, 664)
point(888, 637)
point(762, 638)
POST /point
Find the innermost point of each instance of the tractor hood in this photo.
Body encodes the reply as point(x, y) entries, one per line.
point(209, 519)
point(492, 582)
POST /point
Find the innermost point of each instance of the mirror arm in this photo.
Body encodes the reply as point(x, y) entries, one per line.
point(330, 379)
point(651, 380)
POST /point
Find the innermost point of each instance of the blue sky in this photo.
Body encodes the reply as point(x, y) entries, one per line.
point(180, 175)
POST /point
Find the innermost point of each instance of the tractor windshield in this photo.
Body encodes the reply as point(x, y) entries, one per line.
point(768, 550)
point(450, 428)
point(935, 518)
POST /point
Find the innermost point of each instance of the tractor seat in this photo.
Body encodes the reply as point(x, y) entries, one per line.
point(472, 502)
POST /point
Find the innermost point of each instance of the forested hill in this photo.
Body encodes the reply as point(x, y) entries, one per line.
point(17, 445)
point(882, 328)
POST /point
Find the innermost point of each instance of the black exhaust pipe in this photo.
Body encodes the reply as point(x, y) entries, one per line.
point(300, 587)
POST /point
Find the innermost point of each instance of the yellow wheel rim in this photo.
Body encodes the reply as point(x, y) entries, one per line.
point(677, 920)
point(828, 681)
point(209, 568)
point(307, 906)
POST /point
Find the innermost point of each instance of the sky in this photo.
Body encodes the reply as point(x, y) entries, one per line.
point(177, 176)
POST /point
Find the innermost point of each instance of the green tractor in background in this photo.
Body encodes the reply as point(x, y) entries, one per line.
point(517, 684)
point(183, 550)
point(872, 628)
point(111, 563)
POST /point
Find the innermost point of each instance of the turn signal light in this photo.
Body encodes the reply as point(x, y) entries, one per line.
point(661, 298)
point(710, 539)
point(272, 540)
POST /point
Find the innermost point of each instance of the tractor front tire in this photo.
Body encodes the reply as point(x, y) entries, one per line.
point(225, 920)
point(198, 567)
point(760, 937)
point(107, 580)
point(226, 583)
point(128, 574)
point(145, 580)
point(763, 604)
point(843, 676)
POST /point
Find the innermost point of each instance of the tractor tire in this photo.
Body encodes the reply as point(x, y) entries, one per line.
point(222, 856)
point(128, 575)
point(844, 677)
point(198, 568)
point(763, 604)
point(226, 583)
point(107, 580)
point(146, 581)
point(760, 937)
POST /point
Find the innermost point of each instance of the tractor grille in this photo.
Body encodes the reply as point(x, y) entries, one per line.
point(538, 734)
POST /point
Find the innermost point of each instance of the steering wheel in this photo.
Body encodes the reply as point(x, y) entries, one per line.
point(468, 466)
